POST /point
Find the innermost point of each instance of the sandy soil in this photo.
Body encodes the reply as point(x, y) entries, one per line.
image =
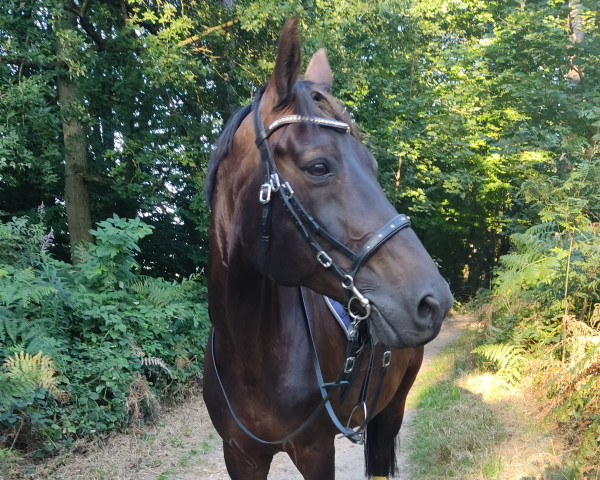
point(184, 445)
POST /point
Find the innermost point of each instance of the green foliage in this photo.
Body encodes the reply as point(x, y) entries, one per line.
point(546, 295)
point(100, 325)
point(11, 390)
point(8, 457)
point(554, 264)
point(110, 260)
point(507, 358)
point(143, 102)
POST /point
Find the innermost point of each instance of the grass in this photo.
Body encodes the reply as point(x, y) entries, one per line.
point(473, 425)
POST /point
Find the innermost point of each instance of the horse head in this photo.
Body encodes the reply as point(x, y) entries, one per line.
point(333, 177)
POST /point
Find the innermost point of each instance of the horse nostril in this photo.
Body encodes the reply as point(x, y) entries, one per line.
point(428, 309)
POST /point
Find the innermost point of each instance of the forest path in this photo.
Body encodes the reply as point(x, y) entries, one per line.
point(185, 446)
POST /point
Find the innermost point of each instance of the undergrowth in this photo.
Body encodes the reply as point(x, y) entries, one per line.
point(88, 349)
point(471, 424)
point(543, 312)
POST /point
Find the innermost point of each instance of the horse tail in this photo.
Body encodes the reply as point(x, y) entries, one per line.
point(380, 455)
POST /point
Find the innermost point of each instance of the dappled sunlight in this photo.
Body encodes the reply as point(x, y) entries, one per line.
point(529, 447)
point(490, 387)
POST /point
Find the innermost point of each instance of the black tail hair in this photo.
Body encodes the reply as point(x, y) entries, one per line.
point(371, 450)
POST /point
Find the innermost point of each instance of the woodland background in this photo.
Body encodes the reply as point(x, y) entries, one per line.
point(483, 115)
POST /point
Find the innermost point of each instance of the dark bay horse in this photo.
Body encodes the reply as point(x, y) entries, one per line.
point(298, 213)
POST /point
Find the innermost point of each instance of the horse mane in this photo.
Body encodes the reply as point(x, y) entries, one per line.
point(222, 149)
point(309, 98)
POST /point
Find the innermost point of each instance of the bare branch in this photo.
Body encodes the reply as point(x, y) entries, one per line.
point(84, 7)
point(207, 30)
point(124, 12)
point(92, 178)
point(91, 31)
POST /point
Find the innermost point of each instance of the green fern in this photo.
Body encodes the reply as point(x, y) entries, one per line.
point(22, 288)
point(506, 357)
point(25, 295)
point(148, 360)
point(81, 252)
point(533, 261)
point(11, 390)
point(154, 290)
point(158, 362)
point(17, 333)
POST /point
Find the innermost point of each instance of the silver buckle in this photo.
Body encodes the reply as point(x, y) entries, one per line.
point(387, 357)
point(287, 188)
point(275, 182)
point(349, 365)
point(264, 196)
point(324, 259)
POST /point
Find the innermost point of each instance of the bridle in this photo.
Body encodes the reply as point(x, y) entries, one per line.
point(274, 183)
point(357, 305)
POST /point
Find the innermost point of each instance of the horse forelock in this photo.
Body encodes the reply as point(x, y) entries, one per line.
point(309, 99)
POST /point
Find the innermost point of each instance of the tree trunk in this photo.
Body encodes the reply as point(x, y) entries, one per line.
point(575, 75)
point(77, 200)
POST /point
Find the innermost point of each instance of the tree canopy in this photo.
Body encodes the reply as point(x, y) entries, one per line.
point(459, 101)
point(483, 116)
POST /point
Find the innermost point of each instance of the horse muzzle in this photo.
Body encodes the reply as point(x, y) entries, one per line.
point(403, 323)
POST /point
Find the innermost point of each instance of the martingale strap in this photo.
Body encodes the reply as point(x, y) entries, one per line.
point(356, 435)
point(316, 412)
point(326, 389)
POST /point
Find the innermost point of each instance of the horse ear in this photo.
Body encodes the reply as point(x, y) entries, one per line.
point(287, 65)
point(318, 70)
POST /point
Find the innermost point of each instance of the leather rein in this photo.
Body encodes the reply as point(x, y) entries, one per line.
point(357, 305)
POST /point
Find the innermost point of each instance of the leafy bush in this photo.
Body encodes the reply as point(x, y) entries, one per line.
point(103, 326)
point(546, 299)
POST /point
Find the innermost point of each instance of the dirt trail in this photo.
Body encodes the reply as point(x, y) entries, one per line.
point(185, 446)
point(349, 459)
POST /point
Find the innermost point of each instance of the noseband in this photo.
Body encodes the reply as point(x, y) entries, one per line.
point(358, 306)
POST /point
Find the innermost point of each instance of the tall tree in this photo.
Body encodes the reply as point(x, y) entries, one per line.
point(135, 112)
point(77, 201)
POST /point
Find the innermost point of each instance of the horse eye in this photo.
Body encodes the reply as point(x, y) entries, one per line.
point(318, 169)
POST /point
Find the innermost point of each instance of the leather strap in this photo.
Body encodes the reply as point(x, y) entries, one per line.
point(303, 220)
point(239, 423)
point(399, 222)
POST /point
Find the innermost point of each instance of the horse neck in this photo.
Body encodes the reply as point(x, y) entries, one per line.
point(246, 308)
point(245, 305)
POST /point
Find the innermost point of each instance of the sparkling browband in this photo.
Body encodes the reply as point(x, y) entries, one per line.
point(321, 121)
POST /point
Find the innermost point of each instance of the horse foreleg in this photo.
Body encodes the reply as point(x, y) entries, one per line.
point(246, 463)
point(380, 447)
point(315, 459)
